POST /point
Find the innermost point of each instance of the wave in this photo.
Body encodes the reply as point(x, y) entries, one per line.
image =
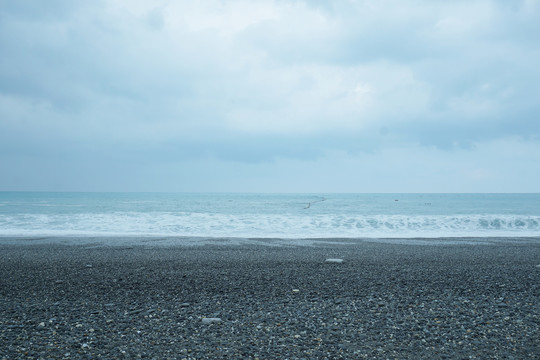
point(268, 225)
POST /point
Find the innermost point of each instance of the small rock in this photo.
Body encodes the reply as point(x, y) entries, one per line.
point(41, 324)
point(334, 261)
point(211, 320)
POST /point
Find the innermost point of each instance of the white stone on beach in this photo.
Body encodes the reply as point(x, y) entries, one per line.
point(211, 320)
point(334, 261)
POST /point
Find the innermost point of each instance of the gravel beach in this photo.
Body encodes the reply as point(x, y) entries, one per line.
point(384, 301)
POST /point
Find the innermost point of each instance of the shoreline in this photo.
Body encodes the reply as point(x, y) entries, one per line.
point(173, 241)
point(386, 300)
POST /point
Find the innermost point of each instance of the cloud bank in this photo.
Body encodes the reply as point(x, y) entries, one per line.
point(270, 95)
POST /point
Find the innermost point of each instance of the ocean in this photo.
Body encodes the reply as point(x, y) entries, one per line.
point(281, 216)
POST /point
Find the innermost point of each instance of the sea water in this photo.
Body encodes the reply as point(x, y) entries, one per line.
point(283, 216)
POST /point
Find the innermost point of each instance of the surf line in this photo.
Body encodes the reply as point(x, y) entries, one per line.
point(313, 202)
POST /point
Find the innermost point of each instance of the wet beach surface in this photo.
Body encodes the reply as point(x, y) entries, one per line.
point(385, 300)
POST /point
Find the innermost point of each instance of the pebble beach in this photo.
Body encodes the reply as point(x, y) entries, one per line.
point(370, 300)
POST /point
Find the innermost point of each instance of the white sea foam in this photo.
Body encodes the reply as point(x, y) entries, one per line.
point(192, 224)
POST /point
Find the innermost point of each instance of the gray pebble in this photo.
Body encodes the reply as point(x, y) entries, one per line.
point(211, 320)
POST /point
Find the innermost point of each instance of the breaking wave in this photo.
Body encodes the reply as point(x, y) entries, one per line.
point(194, 224)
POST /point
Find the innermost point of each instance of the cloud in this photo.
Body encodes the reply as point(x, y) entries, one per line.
point(266, 82)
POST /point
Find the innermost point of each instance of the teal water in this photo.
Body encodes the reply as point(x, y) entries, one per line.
point(269, 215)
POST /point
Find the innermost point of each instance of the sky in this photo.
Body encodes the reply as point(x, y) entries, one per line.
point(270, 96)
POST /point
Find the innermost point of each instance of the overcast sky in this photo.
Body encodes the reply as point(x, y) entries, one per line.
point(270, 95)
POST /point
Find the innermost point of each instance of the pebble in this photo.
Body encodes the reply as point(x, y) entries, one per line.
point(334, 261)
point(211, 320)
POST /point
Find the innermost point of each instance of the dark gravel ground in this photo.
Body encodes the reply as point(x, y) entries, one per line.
point(385, 301)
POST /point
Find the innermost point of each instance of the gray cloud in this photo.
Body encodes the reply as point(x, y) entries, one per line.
point(260, 84)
